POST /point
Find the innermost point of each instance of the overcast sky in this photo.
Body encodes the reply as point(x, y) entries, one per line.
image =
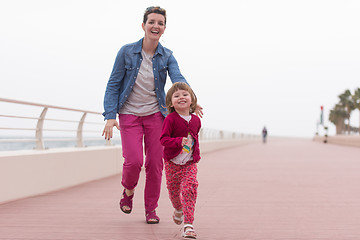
point(251, 63)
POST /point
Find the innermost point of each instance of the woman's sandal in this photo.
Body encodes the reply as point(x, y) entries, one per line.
point(178, 220)
point(126, 201)
point(151, 217)
point(188, 228)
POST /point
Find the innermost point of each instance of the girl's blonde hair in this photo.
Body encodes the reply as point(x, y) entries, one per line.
point(180, 86)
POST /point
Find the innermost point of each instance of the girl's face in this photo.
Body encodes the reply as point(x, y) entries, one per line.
point(154, 26)
point(181, 101)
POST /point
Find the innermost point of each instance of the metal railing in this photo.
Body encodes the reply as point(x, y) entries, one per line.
point(205, 133)
point(39, 129)
point(213, 134)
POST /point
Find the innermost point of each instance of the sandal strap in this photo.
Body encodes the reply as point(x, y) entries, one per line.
point(151, 215)
point(178, 211)
point(128, 197)
point(190, 228)
point(188, 225)
point(178, 218)
point(126, 201)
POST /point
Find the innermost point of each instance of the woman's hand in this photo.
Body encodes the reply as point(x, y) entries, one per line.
point(198, 110)
point(108, 129)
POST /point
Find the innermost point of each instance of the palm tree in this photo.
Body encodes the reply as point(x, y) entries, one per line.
point(347, 102)
point(337, 117)
point(356, 101)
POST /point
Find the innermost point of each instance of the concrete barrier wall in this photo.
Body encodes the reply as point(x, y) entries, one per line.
point(29, 173)
point(353, 141)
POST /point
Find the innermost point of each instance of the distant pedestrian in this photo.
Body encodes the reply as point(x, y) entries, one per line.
point(264, 134)
point(180, 139)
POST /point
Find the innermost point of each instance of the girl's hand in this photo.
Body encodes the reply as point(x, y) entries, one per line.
point(198, 110)
point(184, 141)
point(108, 129)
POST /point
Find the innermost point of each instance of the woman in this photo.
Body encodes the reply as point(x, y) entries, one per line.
point(135, 91)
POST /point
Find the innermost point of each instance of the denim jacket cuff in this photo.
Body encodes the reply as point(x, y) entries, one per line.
point(110, 116)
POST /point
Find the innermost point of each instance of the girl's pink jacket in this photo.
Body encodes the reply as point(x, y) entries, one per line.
point(173, 131)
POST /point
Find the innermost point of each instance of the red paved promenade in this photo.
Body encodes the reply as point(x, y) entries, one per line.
point(294, 189)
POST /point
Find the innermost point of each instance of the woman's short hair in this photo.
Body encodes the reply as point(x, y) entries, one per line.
point(156, 9)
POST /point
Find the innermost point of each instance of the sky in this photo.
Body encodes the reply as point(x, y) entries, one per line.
point(251, 63)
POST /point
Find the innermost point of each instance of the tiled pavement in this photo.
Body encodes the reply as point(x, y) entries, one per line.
point(293, 189)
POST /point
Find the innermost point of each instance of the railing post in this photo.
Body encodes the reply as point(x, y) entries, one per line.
point(108, 143)
point(80, 142)
point(201, 134)
point(221, 134)
point(39, 130)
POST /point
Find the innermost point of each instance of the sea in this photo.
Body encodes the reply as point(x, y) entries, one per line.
point(15, 146)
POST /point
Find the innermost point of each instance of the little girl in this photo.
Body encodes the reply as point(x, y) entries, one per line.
point(181, 153)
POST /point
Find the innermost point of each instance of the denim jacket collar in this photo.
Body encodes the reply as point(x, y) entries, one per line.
point(138, 47)
point(125, 71)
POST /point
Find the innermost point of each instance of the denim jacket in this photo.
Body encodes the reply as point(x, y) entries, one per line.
point(126, 69)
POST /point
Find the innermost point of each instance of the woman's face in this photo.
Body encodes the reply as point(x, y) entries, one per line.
point(154, 26)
